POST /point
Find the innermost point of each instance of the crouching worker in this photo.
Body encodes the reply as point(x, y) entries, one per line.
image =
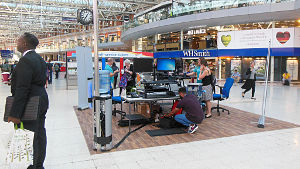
point(193, 113)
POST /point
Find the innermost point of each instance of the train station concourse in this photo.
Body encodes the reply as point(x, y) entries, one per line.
point(140, 84)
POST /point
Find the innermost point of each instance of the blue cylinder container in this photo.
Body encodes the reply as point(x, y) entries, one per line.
point(104, 81)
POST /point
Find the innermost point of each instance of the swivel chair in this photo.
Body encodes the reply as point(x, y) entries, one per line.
point(118, 100)
point(224, 94)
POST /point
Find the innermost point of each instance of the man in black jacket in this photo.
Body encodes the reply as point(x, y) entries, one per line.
point(28, 80)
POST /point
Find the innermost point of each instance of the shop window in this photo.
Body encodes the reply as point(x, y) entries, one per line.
point(292, 66)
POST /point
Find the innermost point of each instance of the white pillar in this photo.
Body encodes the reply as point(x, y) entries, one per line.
point(272, 61)
point(181, 40)
point(140, 45)
point(272, 69)
point(156, 42)
point(133, 46)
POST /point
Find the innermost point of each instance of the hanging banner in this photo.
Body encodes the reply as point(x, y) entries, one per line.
point(187, 54)
point(124, 54)
point(259, 38)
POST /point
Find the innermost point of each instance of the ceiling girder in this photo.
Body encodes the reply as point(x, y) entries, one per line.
point(46, 16)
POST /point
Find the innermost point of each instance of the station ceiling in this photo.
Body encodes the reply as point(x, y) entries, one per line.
point(49, 17)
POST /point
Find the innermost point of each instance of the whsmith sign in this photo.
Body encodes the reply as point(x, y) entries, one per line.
point(186, 53)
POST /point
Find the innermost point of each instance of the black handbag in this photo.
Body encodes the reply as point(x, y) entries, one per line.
point(31, 108)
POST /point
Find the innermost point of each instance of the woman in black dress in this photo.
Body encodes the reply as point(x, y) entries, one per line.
point(250, 81)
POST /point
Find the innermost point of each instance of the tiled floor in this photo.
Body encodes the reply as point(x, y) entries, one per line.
point(67, 149)
point(237, 123)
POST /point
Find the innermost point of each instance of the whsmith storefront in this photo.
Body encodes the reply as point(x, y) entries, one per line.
point(236, 49)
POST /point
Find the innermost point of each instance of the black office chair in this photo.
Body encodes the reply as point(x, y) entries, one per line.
point(224, 94)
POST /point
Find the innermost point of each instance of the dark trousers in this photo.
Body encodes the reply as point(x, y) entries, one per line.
point(50, 77)
point(115, 81)
point(253, 90)
point(39, 140)
point(56, 74)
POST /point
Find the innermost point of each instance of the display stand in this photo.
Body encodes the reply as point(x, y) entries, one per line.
point(84, 75)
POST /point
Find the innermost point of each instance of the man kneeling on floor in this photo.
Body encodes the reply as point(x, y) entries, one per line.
point(193, 112)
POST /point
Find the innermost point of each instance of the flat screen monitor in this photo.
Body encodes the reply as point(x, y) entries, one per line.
point(166, 64)
point(142, 65)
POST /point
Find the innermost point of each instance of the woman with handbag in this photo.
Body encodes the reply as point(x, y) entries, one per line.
point(250, 81)
point(207, 78)
point(28, 81)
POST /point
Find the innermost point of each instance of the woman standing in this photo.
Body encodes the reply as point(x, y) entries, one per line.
point(131, 75)
point(250, 81)
point(206, 77)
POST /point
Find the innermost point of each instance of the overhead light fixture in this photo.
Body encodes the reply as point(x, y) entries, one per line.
point(298, 20)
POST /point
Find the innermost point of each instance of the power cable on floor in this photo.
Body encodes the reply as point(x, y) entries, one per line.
point(124, 138)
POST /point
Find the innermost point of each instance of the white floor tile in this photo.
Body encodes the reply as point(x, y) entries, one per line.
point(67, 148)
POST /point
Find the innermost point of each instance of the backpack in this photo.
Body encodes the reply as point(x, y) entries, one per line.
point(169, 122)
point(56, 67)
point(123, 81)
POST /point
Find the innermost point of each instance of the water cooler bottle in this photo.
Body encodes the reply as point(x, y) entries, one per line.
point(103, 119)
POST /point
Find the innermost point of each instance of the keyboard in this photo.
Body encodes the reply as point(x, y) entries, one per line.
point(157, 95)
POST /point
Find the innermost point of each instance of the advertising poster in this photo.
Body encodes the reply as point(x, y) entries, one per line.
point(259, 38)
point(292, 68)
point(236, 65)
point(297, 37)
point(260, 67)
point(6, 53)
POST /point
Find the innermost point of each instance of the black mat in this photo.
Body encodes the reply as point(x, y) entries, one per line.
point(165, 132)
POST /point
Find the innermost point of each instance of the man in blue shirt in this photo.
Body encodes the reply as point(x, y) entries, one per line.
point(196, 71)
point(236, 76)
point(108, 67)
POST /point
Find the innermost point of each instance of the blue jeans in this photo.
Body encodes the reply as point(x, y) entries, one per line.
point(183, 120)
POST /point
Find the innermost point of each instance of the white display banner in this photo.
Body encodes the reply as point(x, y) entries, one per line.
point(297, 37)
point(259, 38)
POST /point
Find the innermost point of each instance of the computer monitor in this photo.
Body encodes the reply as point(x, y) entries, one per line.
point(142, 65)
point(166, 64)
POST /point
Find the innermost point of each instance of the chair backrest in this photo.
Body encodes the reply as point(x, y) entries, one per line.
point(228, 84)
point(213, 83)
